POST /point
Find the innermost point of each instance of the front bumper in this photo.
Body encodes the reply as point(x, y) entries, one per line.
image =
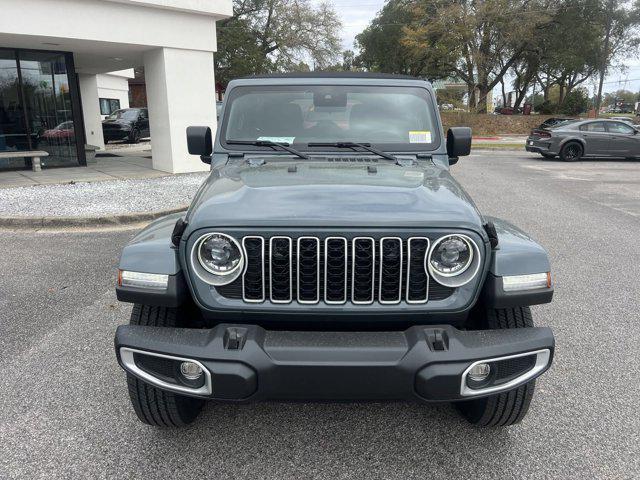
point(249, 363)
point(115, 134)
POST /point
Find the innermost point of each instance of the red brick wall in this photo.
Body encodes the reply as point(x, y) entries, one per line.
point(137, 95)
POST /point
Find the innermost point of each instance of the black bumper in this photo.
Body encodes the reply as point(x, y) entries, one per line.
point(247, 362)
point(115, 134)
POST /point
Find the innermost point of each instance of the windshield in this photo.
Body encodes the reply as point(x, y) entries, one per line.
point(393, 118)
point(123, 115)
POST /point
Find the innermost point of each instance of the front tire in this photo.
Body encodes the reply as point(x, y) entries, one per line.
point(153, 406)
point(134, 136)
point(571, 152)
point(506, 408)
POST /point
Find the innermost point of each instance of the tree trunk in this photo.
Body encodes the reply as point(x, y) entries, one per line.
point(471, 91)
point(504, 93)
point(483, 92)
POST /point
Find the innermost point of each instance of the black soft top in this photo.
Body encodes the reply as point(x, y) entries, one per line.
point(334, 75)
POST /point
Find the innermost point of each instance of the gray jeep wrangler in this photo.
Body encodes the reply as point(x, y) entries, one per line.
point(330, 255)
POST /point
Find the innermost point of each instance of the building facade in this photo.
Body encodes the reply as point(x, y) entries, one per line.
point(54, 55)
point(113, 91)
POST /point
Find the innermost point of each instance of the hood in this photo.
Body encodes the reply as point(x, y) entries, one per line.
point(116, 121)
point(332, 194)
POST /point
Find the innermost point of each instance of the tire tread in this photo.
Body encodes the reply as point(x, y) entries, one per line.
point(154, 406)
point(506, 408)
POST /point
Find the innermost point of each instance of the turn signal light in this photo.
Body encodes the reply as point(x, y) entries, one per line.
point(514, 283)
point(153, 281)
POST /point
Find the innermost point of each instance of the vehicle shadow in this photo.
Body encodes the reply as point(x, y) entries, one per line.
point(299, 440)
point(590, 160)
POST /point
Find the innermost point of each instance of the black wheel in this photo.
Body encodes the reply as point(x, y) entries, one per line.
point(548, 155)
point(134, 136)
point(154, 406)
point(571, 152)
point(507, 408)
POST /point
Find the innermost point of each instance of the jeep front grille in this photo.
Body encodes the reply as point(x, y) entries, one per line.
point(335, 270)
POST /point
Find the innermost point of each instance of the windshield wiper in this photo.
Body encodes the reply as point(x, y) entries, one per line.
point(269, 143)
point(353, 146)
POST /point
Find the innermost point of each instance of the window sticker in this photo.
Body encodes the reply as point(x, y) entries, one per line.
point(413, 174)
point(420, 136)
point(288, 140)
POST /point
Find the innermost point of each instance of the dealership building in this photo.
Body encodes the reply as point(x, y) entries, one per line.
point(64, 65)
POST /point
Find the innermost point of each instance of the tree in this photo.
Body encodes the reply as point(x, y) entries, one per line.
point(347, 64)
point(382, 49)
point(481, 40)
point(276, 35)
point(624, 96)
point(619, 25)
point(575, 103)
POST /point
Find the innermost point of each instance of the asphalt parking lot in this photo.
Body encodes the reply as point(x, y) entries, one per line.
point(64, 410)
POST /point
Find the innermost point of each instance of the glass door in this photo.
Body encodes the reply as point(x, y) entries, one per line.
point(47, 99)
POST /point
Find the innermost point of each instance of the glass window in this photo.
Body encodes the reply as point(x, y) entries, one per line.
point(397, 118)
point(593, 127)
point(109, 105)
point(13, 128)
point(36, 110)
point(619, 127)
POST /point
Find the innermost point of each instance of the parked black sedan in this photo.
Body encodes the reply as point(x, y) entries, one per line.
point(574, 140)
point(129, 124)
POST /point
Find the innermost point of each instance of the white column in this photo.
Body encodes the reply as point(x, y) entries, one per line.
point(91, 109)
point(180, 93)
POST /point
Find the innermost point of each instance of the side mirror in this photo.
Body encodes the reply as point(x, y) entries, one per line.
point(458, 143)
point(199, 142)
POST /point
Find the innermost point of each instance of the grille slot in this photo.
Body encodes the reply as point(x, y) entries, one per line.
point(363, 270)
point(334, 270)
point(281, 267)
point(308, 270)
point(417, 278)
point(390, 288)
point(253, 288)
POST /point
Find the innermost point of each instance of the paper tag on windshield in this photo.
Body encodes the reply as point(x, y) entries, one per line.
point(420, 136)
point(288, 140)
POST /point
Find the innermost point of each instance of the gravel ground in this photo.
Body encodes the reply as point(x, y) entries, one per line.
point(64, 410)
point(100, 198)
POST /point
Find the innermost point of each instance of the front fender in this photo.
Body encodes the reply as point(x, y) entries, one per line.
point(151, 251)
point(516, 254)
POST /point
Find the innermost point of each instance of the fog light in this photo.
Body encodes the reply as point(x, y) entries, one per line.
point(190, 370)
point(479, 372)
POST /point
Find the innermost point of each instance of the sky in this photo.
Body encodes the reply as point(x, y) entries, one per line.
point(356, 15)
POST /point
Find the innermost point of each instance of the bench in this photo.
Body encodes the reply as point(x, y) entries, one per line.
point(34, 155)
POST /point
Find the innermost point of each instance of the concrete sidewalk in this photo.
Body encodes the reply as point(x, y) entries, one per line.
point(124, 164)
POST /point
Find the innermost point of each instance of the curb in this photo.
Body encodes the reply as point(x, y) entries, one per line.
point(101, 221)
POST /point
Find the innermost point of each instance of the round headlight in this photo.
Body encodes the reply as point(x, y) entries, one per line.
point(451, 255)
point(453, 260)
point(219, 254)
